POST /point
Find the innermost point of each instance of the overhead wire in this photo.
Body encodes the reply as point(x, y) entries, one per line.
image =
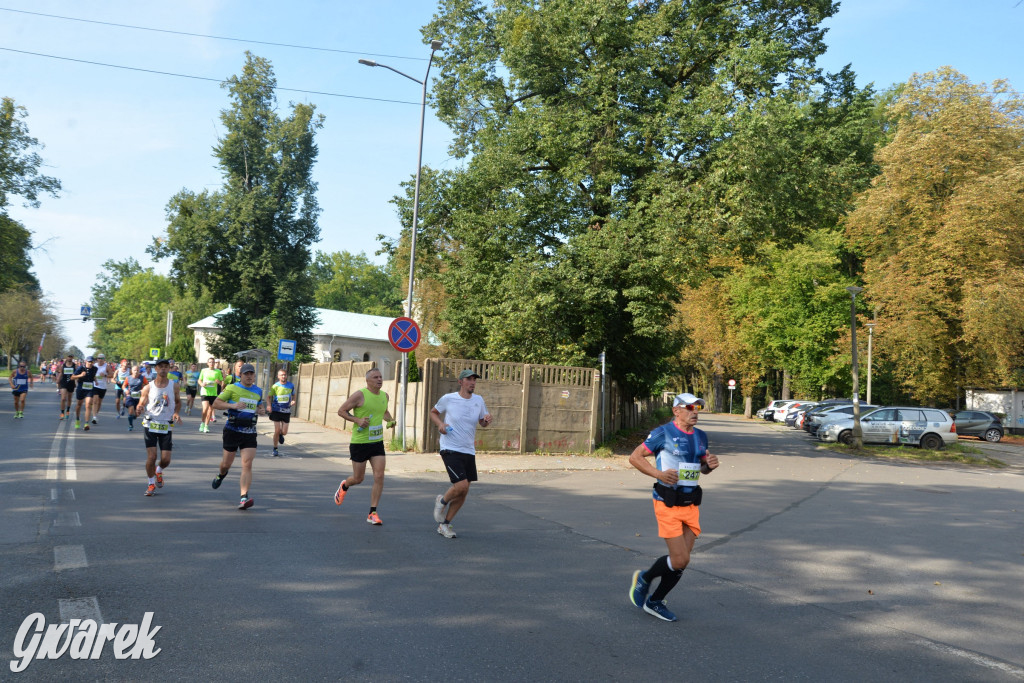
point(211, 37)
point(201, 78)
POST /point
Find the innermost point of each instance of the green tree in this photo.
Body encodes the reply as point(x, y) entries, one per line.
point(942, 234)
point(15, 255)
point(248, 244)
point(24, 318)
point(108, 282)
point(350, 282)
point(589, 129)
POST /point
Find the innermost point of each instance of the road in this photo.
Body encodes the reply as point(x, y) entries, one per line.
point(813, 565)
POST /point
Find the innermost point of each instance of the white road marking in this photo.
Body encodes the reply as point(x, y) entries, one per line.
point(69, 557)
point(54, 494)
point(70, 472)
point(974, 657)
point(80, 608)
point(51, 467)
point(67, 519)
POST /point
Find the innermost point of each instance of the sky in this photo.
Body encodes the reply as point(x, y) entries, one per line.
point(124, 142)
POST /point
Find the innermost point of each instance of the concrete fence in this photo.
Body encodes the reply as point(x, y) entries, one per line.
point(536, 408)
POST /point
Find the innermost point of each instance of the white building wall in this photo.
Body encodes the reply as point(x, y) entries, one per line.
point(1008, 402)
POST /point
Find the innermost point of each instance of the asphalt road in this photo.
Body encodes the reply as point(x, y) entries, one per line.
point(812, 566)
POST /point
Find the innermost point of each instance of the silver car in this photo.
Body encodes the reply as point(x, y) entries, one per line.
point(929, 428)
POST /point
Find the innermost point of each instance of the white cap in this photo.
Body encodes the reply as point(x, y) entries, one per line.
point(687, 400)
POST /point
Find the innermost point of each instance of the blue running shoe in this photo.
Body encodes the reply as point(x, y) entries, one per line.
point(658, 609)
point(638, 589)
point(217, 480)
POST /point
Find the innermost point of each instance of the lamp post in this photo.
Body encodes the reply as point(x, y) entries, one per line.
point(858, 435)
point(435, 45)
point(871, 329)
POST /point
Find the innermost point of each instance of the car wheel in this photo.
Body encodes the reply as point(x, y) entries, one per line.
point(931, 442)
point(845, 437)
point(993, 435)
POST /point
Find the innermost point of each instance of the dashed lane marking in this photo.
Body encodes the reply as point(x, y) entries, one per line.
point(69, 557)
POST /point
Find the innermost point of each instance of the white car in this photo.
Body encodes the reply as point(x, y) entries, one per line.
point(842, 411)
point(929, 428)
point(771, 408)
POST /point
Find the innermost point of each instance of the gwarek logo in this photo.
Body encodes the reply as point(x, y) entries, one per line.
point(81, 639)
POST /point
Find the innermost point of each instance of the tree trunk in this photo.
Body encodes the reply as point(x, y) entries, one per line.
point(785, 385)
point(748, 405)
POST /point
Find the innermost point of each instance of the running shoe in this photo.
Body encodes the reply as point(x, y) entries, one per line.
point(217, 480)
point(202, 427)
point(280, 438)
point(119, 416)
point(61, 416)
point(446, 530)
point(86, 427)
point(373, 519)
point(131, 428)
point(150, 490)
point(638, 589)
point(245, 502)
point(658, 609)
point(339, 495)
point(94, 421)
point(275, 454)
point(78, 424)
point(159, 480)
point(439, 510)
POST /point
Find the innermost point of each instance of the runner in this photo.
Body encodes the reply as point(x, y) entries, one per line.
point(281, 403)
point(124, 371)
point(367, 408)
point(20, 380)
point(104, 372)
point(85, 376)
point(66, 385)
point(681, 456)
point(132, 387)
point(243, 401)
point(463, 410)
point(175, 373)
point(191, 386)
point(157, 422)
point(209, 381)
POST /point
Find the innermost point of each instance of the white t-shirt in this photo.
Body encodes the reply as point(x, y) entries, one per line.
point(462, 415)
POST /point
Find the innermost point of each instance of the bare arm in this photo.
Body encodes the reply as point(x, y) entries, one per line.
point(350, 404)
point(638, 459)
point(435, 417)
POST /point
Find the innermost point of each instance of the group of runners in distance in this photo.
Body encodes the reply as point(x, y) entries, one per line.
point(152, 392)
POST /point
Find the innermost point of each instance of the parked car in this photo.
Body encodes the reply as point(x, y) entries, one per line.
point(790, 414)
point(834, 413)
point(929, 428)
point(769, 410)
point(979, 423)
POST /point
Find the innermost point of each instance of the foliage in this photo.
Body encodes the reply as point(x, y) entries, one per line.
point(350, 282)
point(24, 318)
point(248, 243)
point(942, 234)
point(19, 163)
point(15, 255)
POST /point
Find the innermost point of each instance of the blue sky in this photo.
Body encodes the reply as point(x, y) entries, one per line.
point(123, 142)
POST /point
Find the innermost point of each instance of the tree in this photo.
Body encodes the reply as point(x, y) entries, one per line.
point(248, 244)
point(108, 282)
point(24, 318)
point(589, 128)
point(15, 255)
point(941, 230)
point(350, 282)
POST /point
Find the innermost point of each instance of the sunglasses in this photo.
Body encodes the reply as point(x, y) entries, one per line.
point(691, 407)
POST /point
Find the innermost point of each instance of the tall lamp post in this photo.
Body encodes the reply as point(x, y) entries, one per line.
point(871, 329)
point(435, 45)
point(858, 435)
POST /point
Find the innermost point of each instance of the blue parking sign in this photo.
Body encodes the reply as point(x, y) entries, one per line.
point(286, 350)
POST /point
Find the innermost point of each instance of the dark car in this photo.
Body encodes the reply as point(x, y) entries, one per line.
point(979, 423)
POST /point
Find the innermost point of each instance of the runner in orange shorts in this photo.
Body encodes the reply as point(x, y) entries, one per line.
point(681, 455)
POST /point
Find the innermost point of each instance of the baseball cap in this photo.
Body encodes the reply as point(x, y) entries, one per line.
point(101, 357)
point(248, 367)
point(89, 358)
point(162, 361)
point(467, 373)
point(687, 400)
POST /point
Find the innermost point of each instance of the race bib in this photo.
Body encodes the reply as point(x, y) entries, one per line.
point(376, 432)
point(284, 399)
point(158, 427)
point(689, 473)
point(249, 403)
point(136, 395)
point(87, 386)
point(69, 371)
point(21, 381)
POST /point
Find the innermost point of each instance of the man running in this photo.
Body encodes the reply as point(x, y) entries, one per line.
point(133, 392)
point(123, 372)
point(104, 372)
point(191, 386)
point(66, 385)
point(20, 379)
point(367, 408)
point(281, 403)
point(681, 455)
point(209, 382)
point(85, 377)
point(243, 401)
point(157, 420)
point(463, 410)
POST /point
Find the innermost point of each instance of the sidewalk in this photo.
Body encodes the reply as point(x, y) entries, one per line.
point(312, 440)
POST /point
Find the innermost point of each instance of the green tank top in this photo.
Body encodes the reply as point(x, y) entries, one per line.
point(374, 407)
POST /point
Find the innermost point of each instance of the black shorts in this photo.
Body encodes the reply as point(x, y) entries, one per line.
point(130, 402)
point(209, 399)
point(120, 391)
point(99, 392)
point(460, 466)
point(19, 393)
point(276, 416)
point(361, 452)
point(191, 391)
point(159, 440)
point(234, 441)
point(82, 394)
point(70, 388)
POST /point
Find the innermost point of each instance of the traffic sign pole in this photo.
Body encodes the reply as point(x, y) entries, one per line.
point(404, 336)
point(732, 385)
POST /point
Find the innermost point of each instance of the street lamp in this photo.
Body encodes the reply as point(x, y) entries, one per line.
point(435, 45)
point(871, 329)
point(858, 435)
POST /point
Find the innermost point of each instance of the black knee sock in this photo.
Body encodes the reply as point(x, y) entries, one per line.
point(668, 582)
point(659, 568)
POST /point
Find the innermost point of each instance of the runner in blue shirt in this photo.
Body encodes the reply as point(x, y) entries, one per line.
point(681, 456)
point(20, 379)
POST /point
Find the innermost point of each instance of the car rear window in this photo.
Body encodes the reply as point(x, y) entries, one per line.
point(936, 416)
point(910, 415)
